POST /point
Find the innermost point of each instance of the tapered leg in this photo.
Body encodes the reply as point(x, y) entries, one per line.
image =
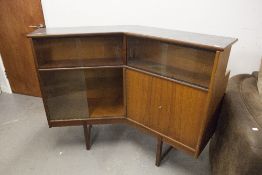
point(159, 155)
point(87, 132)
point(159, 151)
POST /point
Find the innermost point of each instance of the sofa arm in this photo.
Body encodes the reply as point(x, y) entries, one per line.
point(236, 147)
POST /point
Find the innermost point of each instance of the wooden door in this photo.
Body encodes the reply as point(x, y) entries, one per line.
point(15, 18)
point(169, 108)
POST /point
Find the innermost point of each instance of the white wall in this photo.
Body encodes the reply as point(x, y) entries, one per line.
point(235, 18)
point(4, 83)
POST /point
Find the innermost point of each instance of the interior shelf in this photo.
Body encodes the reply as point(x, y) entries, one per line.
point(110, 107)
point(81, 63)
point(195, 78)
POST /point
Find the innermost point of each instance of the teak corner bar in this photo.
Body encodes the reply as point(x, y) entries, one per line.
point(167, 83)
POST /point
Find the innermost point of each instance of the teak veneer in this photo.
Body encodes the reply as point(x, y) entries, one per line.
point(167, 83)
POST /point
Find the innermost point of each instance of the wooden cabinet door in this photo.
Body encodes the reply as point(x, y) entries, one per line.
point(171, 109)
point(15, 18)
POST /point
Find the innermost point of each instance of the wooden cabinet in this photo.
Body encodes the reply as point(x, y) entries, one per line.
point(168, 83)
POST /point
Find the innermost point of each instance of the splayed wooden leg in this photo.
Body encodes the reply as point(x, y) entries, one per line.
point(87, 132)
point(159, 155)
point(159, 151)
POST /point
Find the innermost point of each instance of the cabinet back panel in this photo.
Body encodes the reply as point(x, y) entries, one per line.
point(171, 109)
point(104, 83)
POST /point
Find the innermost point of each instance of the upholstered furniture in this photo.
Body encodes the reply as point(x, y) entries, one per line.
point(168, 83)
point(259, 80)
point(236, 147)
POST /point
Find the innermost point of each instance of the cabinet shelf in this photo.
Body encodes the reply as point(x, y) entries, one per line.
point(71, 63)
point(195, 78)
point(109, 107)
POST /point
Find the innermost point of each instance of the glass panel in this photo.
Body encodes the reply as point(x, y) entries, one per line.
point(101, 50)
point(82, 94)
point(65, 94)
point(178, 62)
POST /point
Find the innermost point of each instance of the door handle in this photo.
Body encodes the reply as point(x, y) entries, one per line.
point(37, 26)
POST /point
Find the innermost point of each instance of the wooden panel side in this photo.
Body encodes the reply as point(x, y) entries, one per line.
point(171, 109)
point(43, 95)
point(216, 92)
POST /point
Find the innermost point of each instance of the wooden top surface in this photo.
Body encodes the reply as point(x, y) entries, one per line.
point(211, 42)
